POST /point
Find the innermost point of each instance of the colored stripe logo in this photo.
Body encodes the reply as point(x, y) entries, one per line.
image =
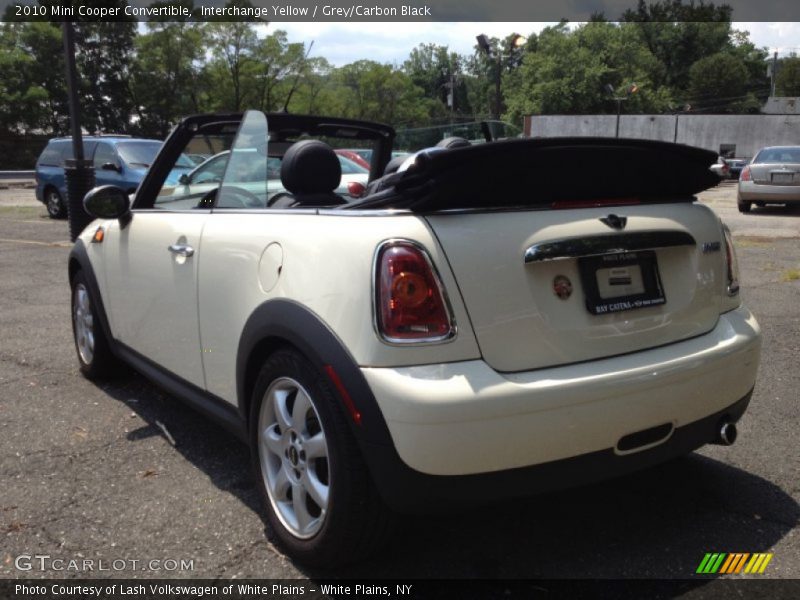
point(733, 563)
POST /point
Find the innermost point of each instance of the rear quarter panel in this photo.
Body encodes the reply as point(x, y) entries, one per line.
point(325, 264)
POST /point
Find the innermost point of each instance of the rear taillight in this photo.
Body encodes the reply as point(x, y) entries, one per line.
point(745, 174)
point(410, 302)
point(732, 263)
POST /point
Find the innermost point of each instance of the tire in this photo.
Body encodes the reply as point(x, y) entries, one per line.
point(54, 203)
point(322, 507)
point(744, 207)
point(95, 358)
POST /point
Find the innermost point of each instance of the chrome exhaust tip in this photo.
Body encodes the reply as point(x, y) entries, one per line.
point(726, 435)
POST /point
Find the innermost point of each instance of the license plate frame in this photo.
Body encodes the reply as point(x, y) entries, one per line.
point(782, 177)
point(645, 260)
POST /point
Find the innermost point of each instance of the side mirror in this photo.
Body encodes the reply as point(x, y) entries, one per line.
point(184, 179)
point(107, 202)
point(111, 167)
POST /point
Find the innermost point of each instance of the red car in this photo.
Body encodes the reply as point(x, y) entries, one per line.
point(354, 156)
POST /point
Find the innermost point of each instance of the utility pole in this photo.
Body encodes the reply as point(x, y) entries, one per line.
point(773, 73)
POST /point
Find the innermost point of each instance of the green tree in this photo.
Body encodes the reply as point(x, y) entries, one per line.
point(32, 90)
point(277, 65)
point(787, 82)
point(166, 75)
point(370, 90)
point(439, 74)
point(717, 83)
point(570, 72)
point(679, 34)
point(233, 45)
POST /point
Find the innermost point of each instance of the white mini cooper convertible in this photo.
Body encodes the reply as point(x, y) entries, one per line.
point(482, 323)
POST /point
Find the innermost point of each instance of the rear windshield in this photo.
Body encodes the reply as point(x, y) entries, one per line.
point(778, 155)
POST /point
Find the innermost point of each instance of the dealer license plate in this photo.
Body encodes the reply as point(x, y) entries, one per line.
point(617, 282)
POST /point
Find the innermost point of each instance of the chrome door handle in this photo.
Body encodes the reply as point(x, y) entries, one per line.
point(184, 250)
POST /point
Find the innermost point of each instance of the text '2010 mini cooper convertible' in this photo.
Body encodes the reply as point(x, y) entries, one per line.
point(477, 324)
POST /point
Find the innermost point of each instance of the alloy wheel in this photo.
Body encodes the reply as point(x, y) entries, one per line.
point(293, 452)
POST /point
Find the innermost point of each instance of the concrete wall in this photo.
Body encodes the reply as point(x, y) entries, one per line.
point(748, 132)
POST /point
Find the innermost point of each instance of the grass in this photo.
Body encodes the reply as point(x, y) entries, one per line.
point(23, 212)
point(790, 275)
point(752, 242)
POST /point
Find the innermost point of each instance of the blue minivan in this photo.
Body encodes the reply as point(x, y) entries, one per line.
point(118, 160)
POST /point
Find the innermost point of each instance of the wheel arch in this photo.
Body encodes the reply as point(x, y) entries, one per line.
point(282, 323)
point(79, 261)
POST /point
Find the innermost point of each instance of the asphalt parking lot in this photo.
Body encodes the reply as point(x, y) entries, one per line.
point(86, 472)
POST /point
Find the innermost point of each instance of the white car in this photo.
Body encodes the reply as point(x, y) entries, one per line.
point(482, 325)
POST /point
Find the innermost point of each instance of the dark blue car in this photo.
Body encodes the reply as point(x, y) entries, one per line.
point(118, 160)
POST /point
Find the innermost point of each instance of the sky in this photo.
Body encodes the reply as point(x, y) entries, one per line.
point(386, 42)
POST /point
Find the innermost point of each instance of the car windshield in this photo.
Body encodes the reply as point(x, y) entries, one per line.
point(142, 154)
point(778, 155)
point(138, 153)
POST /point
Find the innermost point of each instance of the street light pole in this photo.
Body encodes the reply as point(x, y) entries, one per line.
point(78, 172)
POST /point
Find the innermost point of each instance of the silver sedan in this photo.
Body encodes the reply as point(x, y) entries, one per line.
point(772, 177)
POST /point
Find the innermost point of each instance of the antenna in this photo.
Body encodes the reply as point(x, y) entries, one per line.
point(297, 78)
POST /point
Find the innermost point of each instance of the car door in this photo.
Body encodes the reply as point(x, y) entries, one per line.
point(151, 275)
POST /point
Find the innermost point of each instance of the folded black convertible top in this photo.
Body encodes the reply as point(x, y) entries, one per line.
point(540, 172)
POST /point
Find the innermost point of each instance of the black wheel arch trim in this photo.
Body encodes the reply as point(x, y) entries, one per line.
point(280, 321)
point(79, 260)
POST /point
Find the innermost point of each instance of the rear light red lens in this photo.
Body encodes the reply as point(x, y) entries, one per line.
point(745, 174)
point(410, 302)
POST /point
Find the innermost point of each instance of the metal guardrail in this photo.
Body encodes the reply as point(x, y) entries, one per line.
point(17, 174)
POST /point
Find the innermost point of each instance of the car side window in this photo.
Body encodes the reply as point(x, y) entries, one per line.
point(104, 155)
point(51, 156)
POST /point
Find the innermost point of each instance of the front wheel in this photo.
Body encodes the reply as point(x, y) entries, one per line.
point(94, 353)
point(321, 503)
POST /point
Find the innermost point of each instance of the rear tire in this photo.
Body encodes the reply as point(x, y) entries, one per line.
point(744, 207)
point(322, 505)
point(56, 209)
point(94, 352)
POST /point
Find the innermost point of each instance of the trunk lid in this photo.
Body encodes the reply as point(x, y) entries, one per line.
point(551, 287)
point(775, 174)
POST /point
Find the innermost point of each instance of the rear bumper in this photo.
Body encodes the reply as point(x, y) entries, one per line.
point(410, 491)
point(757, 192)
point(458, 421)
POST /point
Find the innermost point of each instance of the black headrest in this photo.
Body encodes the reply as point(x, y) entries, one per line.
point(310, 167)
point(453, 142)
point(394, 164)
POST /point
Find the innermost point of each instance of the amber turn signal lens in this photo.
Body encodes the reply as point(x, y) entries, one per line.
point(98, 236)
